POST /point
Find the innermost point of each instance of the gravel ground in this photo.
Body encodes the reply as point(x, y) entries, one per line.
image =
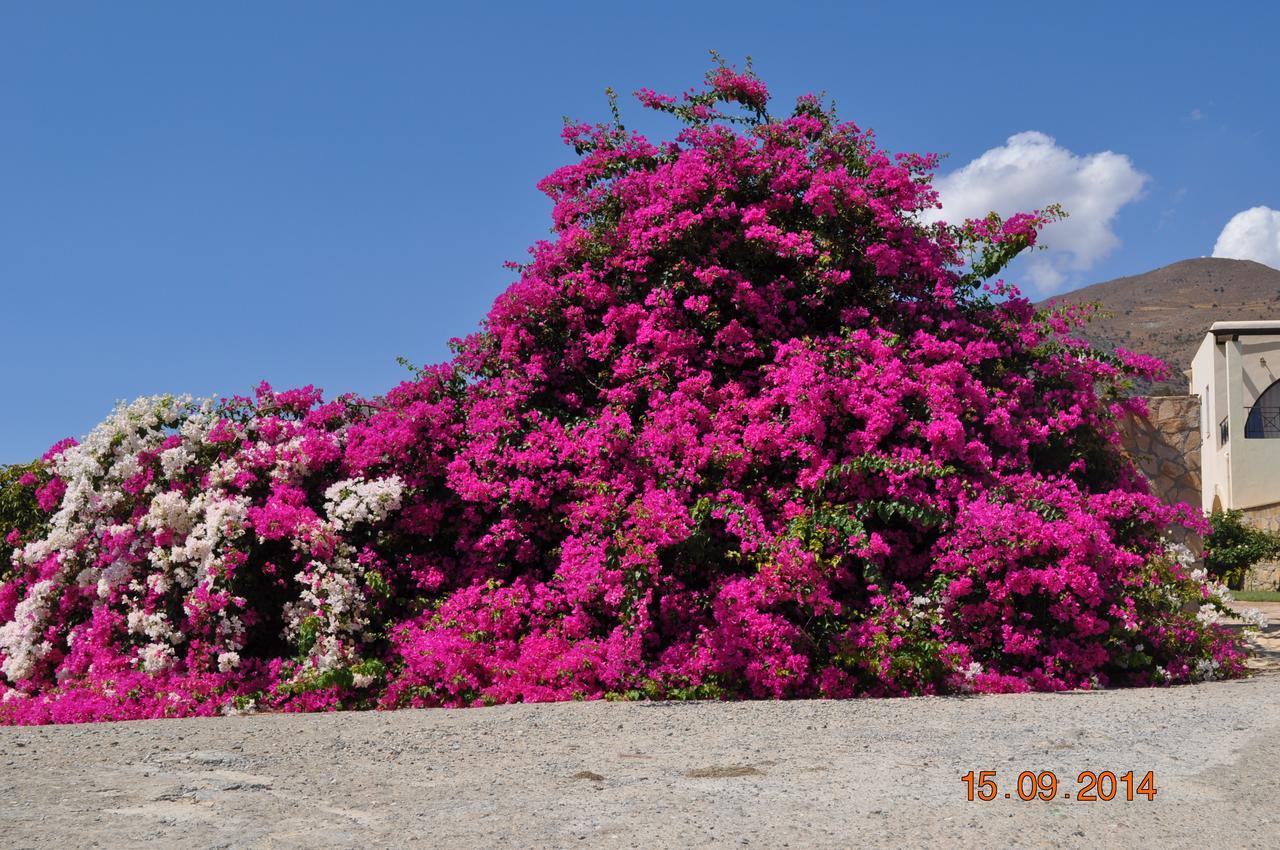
point(798, 774)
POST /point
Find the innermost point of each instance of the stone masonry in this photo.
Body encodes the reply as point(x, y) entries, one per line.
point(1264, 576)
point(1165, 445)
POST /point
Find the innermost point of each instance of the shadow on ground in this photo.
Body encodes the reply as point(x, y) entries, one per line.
point(1266, 643)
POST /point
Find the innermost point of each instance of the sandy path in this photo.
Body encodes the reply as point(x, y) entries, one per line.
point(800, 774)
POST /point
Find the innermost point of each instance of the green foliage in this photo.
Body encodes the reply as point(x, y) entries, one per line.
point(869, 463)
point(18, 508)
point(377, 583)
point(652, 689)
point(1257, 596)
point(413, 368)
point(308, 631)
point(339, 677)
point(827, 521)
point(987, 258)
point(1233, 546)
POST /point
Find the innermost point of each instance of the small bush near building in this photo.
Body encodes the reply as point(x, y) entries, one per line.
point(1233, 546)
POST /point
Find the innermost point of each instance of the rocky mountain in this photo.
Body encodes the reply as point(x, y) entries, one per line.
point(1166, 312)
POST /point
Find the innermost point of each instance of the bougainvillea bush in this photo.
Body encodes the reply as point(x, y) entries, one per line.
point(745, 426)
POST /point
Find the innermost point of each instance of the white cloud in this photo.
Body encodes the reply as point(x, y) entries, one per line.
point(1031, 171)
point(1251, 235)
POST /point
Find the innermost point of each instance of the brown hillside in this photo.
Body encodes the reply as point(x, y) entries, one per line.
point(1166, 312)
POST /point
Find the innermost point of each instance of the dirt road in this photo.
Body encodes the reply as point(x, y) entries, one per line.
point(799, 774)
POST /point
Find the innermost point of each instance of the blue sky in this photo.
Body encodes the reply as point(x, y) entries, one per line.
point(195, 199)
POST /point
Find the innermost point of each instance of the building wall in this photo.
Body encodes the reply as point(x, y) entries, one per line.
point(1260, 365)
point(1209, 360)
point(1229, 377)
point(1240, 473)
point(1255, 464)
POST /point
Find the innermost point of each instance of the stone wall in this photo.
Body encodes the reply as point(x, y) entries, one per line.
point(1264, 576)
point(1165, 445)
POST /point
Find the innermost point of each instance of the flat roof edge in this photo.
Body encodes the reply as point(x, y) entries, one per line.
point(1249, 328)
point(1246, 323)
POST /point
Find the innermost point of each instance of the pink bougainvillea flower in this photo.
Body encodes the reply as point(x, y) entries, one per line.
point(743, 427)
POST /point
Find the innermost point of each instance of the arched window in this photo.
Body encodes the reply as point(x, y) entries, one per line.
point(1264, 417)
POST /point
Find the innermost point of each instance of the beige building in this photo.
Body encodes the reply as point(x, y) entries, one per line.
point(1236, 374)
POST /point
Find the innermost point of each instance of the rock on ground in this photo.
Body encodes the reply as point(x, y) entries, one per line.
point(763, 774)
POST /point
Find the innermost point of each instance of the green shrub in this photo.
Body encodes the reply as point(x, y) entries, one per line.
point(18, 508)
point(1233, 546)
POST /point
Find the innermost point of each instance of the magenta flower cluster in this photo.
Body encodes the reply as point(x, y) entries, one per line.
point(744, 427)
